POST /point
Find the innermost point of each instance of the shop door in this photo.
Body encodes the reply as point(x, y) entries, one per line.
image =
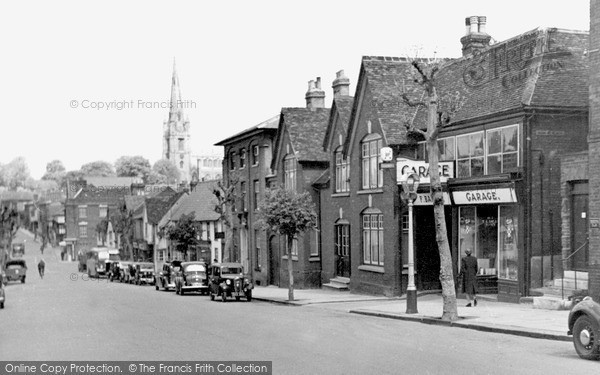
point(579, 246)
point(274, 261)
point(427, 258)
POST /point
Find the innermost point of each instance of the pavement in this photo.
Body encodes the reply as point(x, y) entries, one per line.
point(489, 315)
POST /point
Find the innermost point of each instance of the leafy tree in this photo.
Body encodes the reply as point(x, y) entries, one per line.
point(98, 168)
point(133, 166)
point(9, 225)
point(439, 112)
point(226, 197)
point(290, 214)
point(122, 223)
point(16, 174)
point(184, 233)
point(164, 171)
point(102, 229)
point(55, 171)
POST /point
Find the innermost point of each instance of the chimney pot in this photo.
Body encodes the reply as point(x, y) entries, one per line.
point(341, 85)
point(318, 83)
point(474, 24)
point(482, 21)
point(468, 25)
point(315, 97)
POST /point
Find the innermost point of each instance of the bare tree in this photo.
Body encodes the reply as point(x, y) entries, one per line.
point(439, 112)
point(225, 193)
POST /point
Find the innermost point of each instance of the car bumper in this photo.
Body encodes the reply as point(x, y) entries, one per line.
point(196, 288)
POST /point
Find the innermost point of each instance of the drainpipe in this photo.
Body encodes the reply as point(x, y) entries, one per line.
point(541, 164)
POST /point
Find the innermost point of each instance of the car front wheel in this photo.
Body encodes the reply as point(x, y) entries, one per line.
point(1, 305)
point(586, 338)
point(212, 296)
point(249, 296)
point(223, 296)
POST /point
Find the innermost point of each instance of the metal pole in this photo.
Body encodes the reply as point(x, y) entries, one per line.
point(411, 291)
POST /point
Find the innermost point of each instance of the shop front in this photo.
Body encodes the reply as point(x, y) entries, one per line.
point(488, 226)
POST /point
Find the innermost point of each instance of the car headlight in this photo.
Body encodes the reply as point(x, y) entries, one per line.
point(228, 282)
point(247, 281)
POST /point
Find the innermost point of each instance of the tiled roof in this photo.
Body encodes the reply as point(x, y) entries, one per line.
point(306, 129)
point(98, 196)
point(341, 106)
point(56, 209)
point(110, 181)
point(548, 71)
point(201, 201)
point(16, 195)
point(157, 207)
point(271, 123)
point(132, 202)
point(322, 179)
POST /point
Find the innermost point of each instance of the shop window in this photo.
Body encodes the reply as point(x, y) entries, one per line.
point(507, 241)
point(470, 152)
point(372, 237)
point(342, 172)
point(502, 149)
point(446, 147)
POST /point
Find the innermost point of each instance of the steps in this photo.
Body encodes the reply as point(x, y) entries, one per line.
point(555, 295)
point(338, 283)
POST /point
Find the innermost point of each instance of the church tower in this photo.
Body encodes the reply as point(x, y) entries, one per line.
point(176, 133)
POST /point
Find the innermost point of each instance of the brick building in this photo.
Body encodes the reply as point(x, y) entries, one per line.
point(248, 156)
point(525, 104)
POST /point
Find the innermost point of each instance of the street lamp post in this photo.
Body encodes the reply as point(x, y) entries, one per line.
point(410, 184)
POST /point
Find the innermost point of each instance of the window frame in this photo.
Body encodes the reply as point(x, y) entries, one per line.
point(342, 171)
point(290, 172)
point(82, 209)
point(371, 174)
point(372, 231)
point(255, 155)
point(242, 158)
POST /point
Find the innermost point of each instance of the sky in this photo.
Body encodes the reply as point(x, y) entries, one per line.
point(85, 81)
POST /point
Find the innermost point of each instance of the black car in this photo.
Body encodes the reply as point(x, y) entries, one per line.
point(228, 280)
point(584, 325)
point(144, 273)
point(192, 278)
point(166, 276)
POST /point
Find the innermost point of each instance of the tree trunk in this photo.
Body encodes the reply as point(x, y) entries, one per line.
point(441, 235)
point(290, 243)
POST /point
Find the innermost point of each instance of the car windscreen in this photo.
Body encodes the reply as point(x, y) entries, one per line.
point(195, 268)
point(231, 270)
point(103, 255)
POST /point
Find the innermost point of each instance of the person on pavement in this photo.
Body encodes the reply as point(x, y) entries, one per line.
point(468, 271)
point(41, 267)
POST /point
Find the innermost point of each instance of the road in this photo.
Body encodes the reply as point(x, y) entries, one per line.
point(65, 316)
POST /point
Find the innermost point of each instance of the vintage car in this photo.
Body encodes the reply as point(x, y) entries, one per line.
point(191, 278)
point(228, 280)
point(166, 276)
point(16, 269)
point(584, 325)
point(18, 250)
point(2, 296)
point(144, 273)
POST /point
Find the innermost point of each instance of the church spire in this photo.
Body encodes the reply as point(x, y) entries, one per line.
point(175, 109)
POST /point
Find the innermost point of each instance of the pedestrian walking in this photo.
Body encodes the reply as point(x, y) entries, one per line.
point(42, 267)
point(468, 271)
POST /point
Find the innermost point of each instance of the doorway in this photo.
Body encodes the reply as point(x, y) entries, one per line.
point(579, 217)
point(274, 259)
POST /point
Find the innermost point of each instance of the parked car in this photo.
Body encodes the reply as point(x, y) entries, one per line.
point(584, 325)
point(123, 271)
point(192, 278)
point(18, 250)
point(144, 273)
point(16, 269)
point(228, 280)
point(2, 296)
point(166, 276)
point(130, 273)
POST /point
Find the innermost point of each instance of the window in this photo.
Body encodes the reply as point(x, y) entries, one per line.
point(314, 249)
point(446, 147)
point(103, 210)
point(342, 240)
point(507, 243)
point(372, 176)
point(256, 189)
point(232, 160)
point(372, 236)
point(342, 172)
point(502, 149)
point(82, 212)
point(469, 161)
point(289, 171)
point(83, 230)
point(242, 158)
point(255, 154)
point(181, 164)
point(257, 249)
point(294, 246)
point(243, 197)
point(181, 144)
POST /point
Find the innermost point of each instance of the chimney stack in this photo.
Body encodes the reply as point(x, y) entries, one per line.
point(341, 85)
point(476, 37)
point(315, 96)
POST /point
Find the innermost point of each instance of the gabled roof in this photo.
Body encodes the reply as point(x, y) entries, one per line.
point(201, 201)
point(542, 68)
point(132, 202)
point(305, 128)
point(157, 207)
point(322, 179)
point(97, 196)
point(341, 110)
point(267, 125)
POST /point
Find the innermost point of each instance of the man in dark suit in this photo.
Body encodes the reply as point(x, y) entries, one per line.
point(468, 271)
